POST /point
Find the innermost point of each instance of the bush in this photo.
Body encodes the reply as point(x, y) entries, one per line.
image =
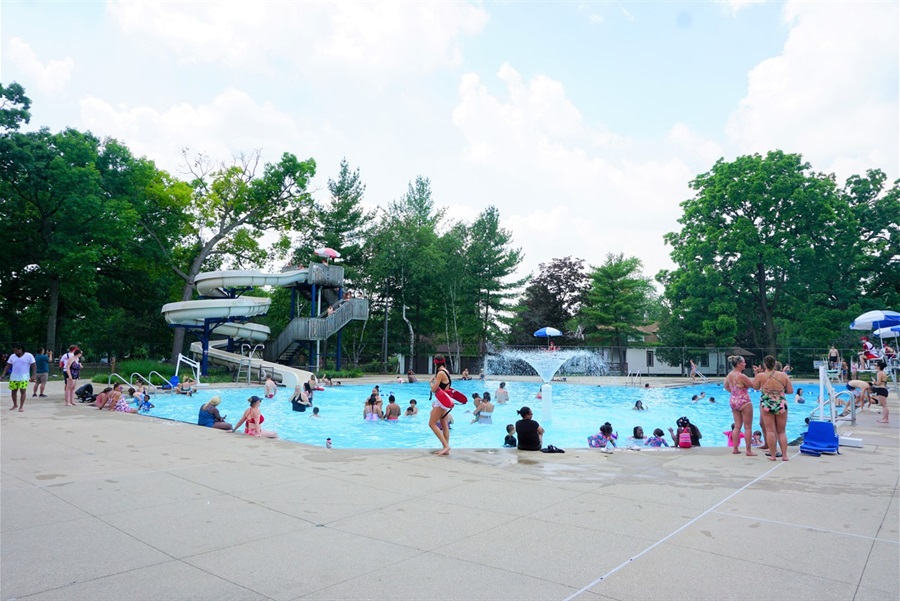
point(342, 373)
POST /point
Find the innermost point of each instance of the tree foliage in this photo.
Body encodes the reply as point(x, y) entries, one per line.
point(771, 252)
point(14, 107)
point(552, 298)
point(74, 250)
point(617, 302)
point(230, 209)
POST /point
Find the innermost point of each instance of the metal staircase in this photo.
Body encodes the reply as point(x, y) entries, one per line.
point(304, 329)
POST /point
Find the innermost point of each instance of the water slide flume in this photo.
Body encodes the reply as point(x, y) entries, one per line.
point(211, 282)
point(214, 284)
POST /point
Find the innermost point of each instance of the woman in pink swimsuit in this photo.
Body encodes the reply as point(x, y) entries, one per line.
point(741, 408)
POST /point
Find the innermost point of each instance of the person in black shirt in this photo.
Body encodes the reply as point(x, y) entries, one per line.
point(530, 432)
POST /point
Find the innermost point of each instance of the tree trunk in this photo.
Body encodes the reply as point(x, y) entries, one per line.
point(53, 306)
point(765, 310)
point(178, 343)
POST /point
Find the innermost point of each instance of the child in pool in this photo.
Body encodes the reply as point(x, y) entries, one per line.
point(315, 412)
point(727, 434)
point(510, 440)
point(657, 440)
point(604, 440)
point(757, 440)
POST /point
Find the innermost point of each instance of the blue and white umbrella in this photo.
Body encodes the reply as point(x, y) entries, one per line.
point(890, 332)
point(547, 333)
point(874, 320)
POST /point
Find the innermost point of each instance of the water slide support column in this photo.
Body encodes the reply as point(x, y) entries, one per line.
point(204, 341)
point(337, 356)
point(313, 359)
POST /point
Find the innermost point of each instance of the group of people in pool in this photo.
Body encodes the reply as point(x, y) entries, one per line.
point(375, 410)
point(684, 435)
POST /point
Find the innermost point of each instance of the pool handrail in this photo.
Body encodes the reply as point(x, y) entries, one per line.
point(116, 375)
point(167, 382)
point(825, 388)
point(140, 377)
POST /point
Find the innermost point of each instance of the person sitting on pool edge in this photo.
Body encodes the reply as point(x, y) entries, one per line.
point(531, 434)
point(209, 416)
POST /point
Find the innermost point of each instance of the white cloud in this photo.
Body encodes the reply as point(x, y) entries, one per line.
point(735, 6)
point(563, 186)
point(832, 92)
point(47, 77)
point(231, 124)
point(371, 38)
point(686, 142)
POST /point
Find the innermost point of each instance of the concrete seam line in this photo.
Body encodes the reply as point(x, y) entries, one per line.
point(805, 527)
point(673, 533)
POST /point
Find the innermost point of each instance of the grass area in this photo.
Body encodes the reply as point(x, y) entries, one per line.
point(165, 371)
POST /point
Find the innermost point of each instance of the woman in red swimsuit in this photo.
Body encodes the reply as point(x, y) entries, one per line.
point(253, 419)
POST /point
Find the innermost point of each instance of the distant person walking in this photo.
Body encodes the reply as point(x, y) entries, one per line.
point(439, 419)
point(20, 367)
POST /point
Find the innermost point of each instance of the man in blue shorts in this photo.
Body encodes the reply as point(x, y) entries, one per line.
point(21, 370)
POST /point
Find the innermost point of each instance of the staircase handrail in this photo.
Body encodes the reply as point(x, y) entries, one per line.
point(319, 328)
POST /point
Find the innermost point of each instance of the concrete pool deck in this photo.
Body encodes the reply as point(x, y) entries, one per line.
point(99, 505)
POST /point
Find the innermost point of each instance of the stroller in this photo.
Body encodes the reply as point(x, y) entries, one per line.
point(86, 394)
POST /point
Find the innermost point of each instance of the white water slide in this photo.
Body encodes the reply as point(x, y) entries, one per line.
point(213, 284)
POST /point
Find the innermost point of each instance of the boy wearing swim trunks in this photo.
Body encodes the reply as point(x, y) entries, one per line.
point(21, 369)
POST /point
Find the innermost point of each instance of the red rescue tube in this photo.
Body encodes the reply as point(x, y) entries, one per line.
point(450, 397)
point(443, 398)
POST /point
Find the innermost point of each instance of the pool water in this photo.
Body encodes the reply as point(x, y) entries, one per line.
point(578, 412)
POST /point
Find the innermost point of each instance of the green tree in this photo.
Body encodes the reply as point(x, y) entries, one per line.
point(231, 208)
point(14, 107)
point(618, 302)
point(342, 223)
point(401, 257)
point(491, 262)
point(770, 249)
point(553, 298)
point(68, 230)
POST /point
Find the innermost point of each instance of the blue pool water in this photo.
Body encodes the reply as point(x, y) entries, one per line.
point(578, 411)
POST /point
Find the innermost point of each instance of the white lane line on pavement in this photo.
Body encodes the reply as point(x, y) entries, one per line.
point(673, 533)
point(805, 527)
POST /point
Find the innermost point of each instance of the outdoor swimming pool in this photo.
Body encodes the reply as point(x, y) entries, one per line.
point(578, 412)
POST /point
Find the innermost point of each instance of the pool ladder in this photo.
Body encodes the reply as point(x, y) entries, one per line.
point(633, 379)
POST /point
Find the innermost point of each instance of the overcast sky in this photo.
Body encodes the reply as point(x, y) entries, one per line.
point(583, 122)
